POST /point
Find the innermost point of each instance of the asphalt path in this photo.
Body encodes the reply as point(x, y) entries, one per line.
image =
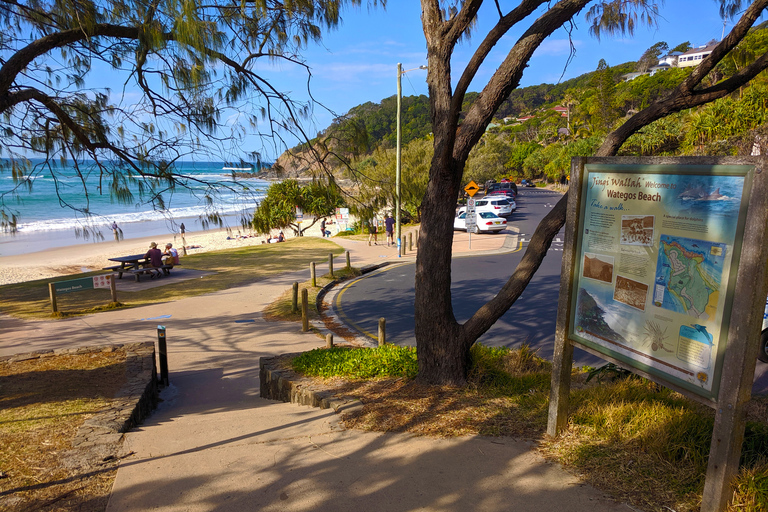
point(389, 293)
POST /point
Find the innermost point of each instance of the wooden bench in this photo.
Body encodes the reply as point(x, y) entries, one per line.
point(147, 270)
point(113, 267)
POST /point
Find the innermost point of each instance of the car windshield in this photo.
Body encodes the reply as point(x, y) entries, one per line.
point(481, 203)
point(503, 202)
point(487, 215)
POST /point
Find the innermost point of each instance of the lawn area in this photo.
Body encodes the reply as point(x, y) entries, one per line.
point(232, 267)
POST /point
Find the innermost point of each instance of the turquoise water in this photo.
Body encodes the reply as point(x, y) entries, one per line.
point(54, 208)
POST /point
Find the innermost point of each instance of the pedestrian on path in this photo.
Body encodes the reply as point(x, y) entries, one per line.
point(389, 225)
point(372, 232)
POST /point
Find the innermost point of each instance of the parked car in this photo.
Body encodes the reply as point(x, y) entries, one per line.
point(763, 353)
point(486, 222)
point(500, 205)
point(527, 183)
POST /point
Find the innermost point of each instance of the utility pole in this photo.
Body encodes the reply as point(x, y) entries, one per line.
point(398, 153)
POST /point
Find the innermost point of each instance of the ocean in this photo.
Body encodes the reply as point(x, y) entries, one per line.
point(46, 217)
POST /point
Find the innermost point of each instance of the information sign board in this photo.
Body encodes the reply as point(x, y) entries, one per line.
point(656, 257)
point(299, 214)
point(82, 284)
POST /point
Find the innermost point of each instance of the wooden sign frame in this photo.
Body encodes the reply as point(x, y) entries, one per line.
point(742, 323)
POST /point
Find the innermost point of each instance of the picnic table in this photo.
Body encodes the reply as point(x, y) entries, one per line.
point(135, 264)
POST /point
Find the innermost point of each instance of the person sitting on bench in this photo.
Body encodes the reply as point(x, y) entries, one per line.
point(155, 258)
point(170, 257)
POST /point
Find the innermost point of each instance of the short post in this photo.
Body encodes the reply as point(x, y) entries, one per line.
point(402, 245)
point(382, 331)
point(410, 241)
point(52, 293)
point(329, 340)
point(330, 264)
point(304, 310)
point(313, 277)
point(112, 288)
point(349, 264)
point(162, 354)
point(417, 239)
point(295, 298)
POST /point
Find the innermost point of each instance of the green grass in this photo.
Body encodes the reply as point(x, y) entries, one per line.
point(358, 363)
point(232, 268)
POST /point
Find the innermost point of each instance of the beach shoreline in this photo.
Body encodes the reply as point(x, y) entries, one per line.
point(89, 257)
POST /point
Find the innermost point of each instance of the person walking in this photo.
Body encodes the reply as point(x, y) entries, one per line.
point(116, 231)
point(322, 228)
point(372, 232)
point(389, 225)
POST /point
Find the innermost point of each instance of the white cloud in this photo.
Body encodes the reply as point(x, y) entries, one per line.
point(557, 47)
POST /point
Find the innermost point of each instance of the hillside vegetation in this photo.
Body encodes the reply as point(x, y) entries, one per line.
point(539, 128)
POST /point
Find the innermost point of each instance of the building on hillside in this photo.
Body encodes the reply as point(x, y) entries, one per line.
point(694, 56)
point(670, 59)
point(563, 111)
point(631, 76)
point(661, 67)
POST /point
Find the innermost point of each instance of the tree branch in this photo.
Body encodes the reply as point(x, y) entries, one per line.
point(507, 76)
point(494, 35)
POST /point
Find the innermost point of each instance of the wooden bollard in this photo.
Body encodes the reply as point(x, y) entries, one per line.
point(417, 239)
point(329, 340)
point(330, 264)
point(295, 298)
point(349, 264)
point(410, 241)
point(313, 275)
point(382, 331)
point(52, 294)
point(402, 245)
point(304, 310)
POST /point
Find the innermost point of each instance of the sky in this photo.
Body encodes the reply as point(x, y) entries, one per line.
point(357, 62)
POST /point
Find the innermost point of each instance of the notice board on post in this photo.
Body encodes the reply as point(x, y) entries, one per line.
point(664, 273)
point(656, 269)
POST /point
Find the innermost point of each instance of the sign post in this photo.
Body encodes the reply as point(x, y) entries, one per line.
point(79, 285)
point(664, 274)
point(470, 221)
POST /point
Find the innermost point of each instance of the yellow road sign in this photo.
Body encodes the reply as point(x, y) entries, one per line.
point(471, 188)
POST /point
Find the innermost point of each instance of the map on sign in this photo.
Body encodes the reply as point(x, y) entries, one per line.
point(688, 276)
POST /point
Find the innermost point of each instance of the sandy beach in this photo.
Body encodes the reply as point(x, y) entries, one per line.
point(75, 259)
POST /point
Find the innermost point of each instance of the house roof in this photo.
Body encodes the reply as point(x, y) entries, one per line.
point(700, 49)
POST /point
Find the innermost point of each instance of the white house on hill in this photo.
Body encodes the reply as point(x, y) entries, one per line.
point(694, 56)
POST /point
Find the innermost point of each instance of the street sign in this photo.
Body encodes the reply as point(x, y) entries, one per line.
point(471, 188)
point(299, 214)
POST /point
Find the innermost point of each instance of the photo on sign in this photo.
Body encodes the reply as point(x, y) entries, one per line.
point(598, 267)
point(637, 230)
point(630, 292)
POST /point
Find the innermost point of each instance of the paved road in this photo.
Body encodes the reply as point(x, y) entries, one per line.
point(475, 280)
